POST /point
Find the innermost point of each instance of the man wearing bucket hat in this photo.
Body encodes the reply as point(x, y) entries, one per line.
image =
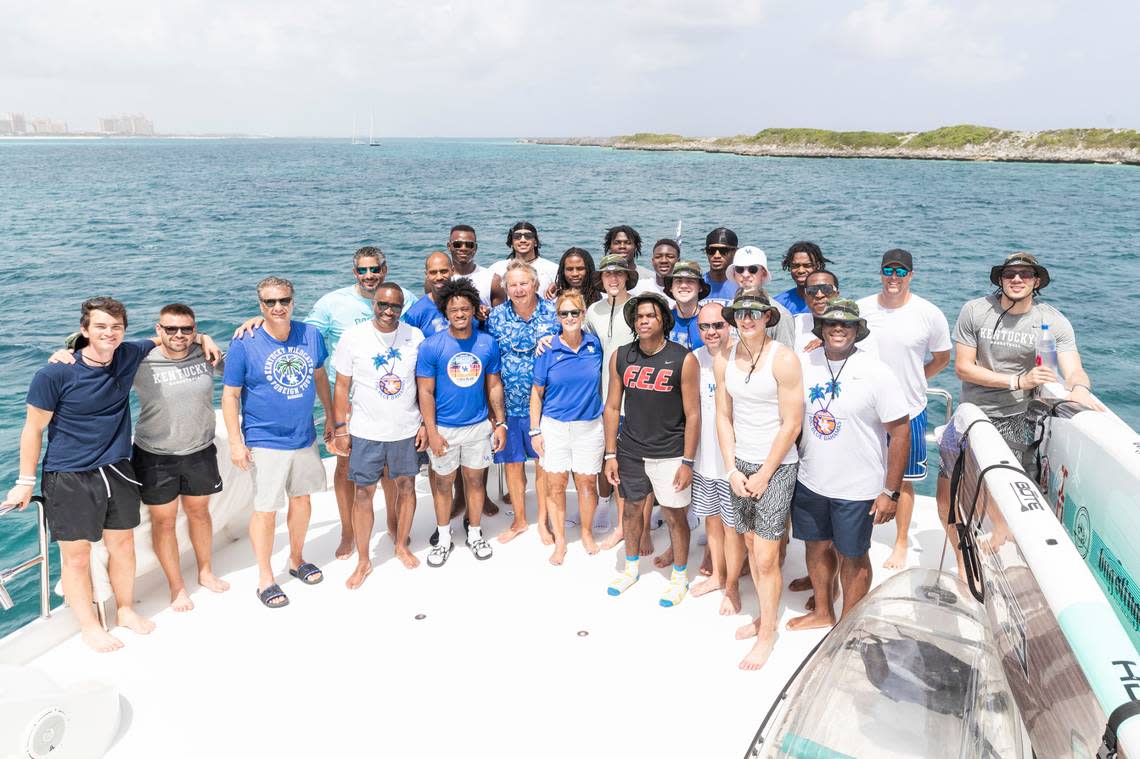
point(652, 458)
point(750, 269)
point(686, 286)
point(849, 477)
point(906, 329)
point(616, 276)
point(995, 357)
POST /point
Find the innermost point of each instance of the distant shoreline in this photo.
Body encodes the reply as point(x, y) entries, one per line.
point(82, 136)
point(960, 143)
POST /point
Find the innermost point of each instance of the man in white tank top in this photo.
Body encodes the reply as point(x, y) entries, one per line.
point(759, 412)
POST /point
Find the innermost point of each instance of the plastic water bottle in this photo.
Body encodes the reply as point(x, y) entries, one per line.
point(1047, 351)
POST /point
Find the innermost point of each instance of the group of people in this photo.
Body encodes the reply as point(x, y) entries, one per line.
point(680, 390)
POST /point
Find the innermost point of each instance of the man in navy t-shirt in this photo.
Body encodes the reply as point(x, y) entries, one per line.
point(275, 376)
point(457, 375)
point(90, 490)
point(426, 313)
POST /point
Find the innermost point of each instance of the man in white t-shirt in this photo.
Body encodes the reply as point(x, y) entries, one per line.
point(462, 246)
point(375, 362)
point(819, 288)
point(849, 478)
point(522, 239)
point(906, 329)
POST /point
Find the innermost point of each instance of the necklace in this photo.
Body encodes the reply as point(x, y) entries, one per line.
point(834, 387)
point(377, 332)
point(645, 353)
point(96, 361)
point(755, 360)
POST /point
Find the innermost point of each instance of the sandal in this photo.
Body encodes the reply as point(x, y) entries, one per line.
point(271, 594)
point(305, 572)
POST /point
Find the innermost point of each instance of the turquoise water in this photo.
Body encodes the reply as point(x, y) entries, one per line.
point(201, 221)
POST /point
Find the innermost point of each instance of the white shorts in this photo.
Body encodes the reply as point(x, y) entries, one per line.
point(280, 475)
point(573, 446)
point(468, 446)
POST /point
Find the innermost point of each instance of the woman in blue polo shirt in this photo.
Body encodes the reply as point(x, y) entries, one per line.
point(566, 419)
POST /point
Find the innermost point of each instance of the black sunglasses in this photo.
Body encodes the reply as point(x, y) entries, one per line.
point(828, 290)
point(272, 302)
point(722, 251)
point(573, 313)
point(177, 330)
point(523, 235)
point(384, 306)
point(463, 244)
point(836, 323)
point(711, 325)
point(750, 269)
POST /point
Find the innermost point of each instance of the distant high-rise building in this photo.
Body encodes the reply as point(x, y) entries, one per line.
point(13, 123)
point(135, 124)
point(41, 125)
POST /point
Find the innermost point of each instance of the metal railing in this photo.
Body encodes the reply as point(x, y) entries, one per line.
point(41, 559)
point(948, 401)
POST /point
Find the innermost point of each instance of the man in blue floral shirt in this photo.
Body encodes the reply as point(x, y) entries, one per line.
point(518, 325)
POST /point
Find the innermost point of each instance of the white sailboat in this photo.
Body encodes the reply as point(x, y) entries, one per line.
point(354, 140)
point(372, 142)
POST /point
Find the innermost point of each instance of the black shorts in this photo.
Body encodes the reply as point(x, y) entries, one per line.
point(164, 478)
point(80, 505)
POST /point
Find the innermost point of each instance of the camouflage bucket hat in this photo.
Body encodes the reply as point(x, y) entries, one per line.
point(616, 262)
point(1021, 259)
point(688, 270)
point(751, 299)
point(629, 311)
point(842, 310)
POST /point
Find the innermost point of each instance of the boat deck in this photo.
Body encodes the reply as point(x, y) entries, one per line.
point(513, 656)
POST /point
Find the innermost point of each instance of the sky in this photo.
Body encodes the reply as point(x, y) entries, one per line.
point(517, 68)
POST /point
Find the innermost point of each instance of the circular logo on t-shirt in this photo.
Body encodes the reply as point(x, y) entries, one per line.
point(464, 369)
point(289, 371)
point(824, 424)
point(390, 385)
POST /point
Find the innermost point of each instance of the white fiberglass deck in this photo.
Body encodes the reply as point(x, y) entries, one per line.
point(496, 668)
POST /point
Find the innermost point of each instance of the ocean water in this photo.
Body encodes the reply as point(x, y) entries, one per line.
point(201, 221)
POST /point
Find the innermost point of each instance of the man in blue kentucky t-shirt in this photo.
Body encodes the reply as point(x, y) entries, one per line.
point(276, 375)
point(457, 376)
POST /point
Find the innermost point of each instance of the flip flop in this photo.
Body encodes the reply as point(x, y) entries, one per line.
point(268, 595)
point(305, 571)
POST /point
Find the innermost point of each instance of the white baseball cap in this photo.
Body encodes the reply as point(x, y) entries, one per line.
point(750, 255)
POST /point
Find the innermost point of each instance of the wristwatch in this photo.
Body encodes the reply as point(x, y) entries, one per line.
point(500, 424)
point(534, 432)
point(688, 462)
point(892, 494)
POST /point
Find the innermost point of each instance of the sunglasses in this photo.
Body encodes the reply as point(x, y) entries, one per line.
point(463, 244)
point(383, 306)
point(1018, 273)
point(750, 269)
point(895, 271)
point(711, 326)
point(524, 235)
point(836, 323)
point(362, 270)
point(177, 330)
point(755, 314)
point(573, 313)
point(718, 251)
point(827, 290)
point(272, 302)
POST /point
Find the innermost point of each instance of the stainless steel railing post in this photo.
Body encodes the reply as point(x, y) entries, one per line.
point(41, 559)
point(948, 401)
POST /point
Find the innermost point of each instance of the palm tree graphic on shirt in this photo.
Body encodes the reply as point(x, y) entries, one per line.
point(290, 370)
point(381, 361)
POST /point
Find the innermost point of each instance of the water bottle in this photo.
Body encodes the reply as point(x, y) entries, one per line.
point(1047, 351)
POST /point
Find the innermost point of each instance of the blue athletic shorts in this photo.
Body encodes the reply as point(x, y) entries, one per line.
point(518, 447)
point(368, 459)
point(847, 524)
point(916, 464)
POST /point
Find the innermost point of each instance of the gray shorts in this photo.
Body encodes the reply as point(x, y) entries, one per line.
point(369, 459)
point(766, 516)
point(280, 475)
point(1012, 431)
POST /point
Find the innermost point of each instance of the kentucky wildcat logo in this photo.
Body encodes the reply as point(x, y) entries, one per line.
point(464, 369)
point(289, 371)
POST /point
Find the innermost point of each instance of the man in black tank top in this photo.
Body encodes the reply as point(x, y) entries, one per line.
point(653, 456)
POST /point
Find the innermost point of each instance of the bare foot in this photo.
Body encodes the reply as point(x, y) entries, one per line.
point(359, 575)
point(897, 559)
point(800, 584)
point(759, 654)
point(731, 603)
point(706, 564)
point(612, 539)
point(545, 535)
point(490, 508)
point(665, 559)
point(180, 601)
point(211, 581)
point(646, 544)
point(506, 499)
point(589, 544)
point(407, 558)
point(559, 554)
point(812, 621)
point(346, 547)
point(705, 586)
point(132, 620)
point(98, 639)
point(512, 532)
point(749, 630)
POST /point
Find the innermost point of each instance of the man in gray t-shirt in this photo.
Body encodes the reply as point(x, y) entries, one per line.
point(174, 455)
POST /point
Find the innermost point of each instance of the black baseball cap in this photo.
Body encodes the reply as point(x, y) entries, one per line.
point(898, 256)
point(722, 236)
